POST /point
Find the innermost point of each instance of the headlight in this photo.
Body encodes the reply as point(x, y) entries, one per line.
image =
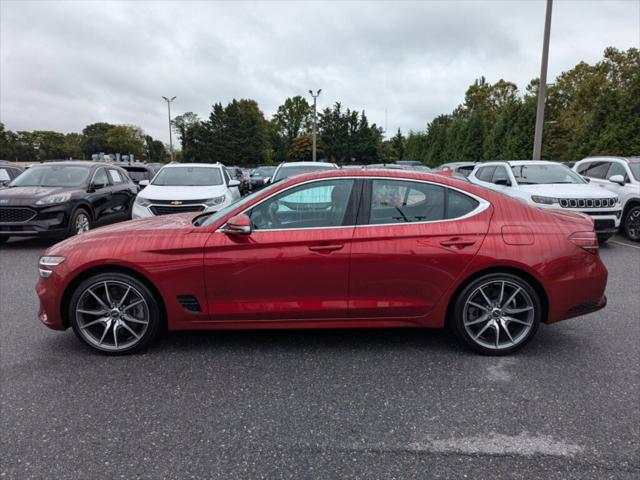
point(55, 198)
point(47, 263)
point(143, 202)
point(215, 200)
point(544, 200)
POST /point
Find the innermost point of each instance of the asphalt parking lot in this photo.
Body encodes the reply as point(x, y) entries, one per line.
point(321, 404)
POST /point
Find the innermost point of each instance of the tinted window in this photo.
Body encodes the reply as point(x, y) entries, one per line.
point(312, 205)
point(500, 176)
point(116, 178)
point(398, 201)
point(595, 169)
point(188, 176)
point(52, 176)
point(485, 173)
point(465, 171)
point(617, 169)
point(100, 178)
point(138, 174)
point(291, 170)
point(459, 204)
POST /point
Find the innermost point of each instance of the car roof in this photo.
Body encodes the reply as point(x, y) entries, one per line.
point(517, 162)
point(178, 165)
point(79, 163)
point(610, 157)
point(322, 164)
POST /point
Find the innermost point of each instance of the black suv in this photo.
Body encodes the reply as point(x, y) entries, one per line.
point(60, 199)
point(8, 171)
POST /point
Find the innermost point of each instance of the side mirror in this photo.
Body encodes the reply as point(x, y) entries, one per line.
point(234, 183)
point(143, 183)
point(619, 179)
point(588, 179)
point(96, 186)
point(238, 225)
point(503, 182)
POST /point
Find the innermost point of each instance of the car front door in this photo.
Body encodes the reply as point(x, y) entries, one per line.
point(295, 263)
point(100, 196)
point(413, 239)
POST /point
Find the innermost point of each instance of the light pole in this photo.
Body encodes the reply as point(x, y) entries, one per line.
point(170, 138)
point(542, 87)
point(314, 120)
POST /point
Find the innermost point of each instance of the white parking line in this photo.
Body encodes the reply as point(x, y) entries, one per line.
point(624, 244)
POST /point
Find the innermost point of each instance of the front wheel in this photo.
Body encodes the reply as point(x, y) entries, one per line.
point(632, 223)
point(114, 313)
point(80, 222)
point(497, 314)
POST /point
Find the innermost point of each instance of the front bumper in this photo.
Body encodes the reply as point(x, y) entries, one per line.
point(46, 222)
point(156, 209)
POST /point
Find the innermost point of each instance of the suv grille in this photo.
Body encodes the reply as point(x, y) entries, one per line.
point(16, 215)
point(587, 202)
point(166, 210)
point(183, 202)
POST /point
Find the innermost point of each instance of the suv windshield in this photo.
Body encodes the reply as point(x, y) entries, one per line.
point(541, 174)
point(52, 176)
point(291, 170)
point(188, 177)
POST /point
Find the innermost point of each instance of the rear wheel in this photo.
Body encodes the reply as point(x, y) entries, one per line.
point(632, 223)
point(114, 313)
point(497, 314)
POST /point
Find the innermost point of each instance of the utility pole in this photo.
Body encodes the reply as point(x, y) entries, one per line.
point(170, 138)
point(314, 120)
point(542, 88)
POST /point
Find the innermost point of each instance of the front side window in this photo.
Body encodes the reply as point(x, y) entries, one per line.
point(399, 201)
point(485, 174)
point(100, 178)
point(618, 169)
point(188, 177)
point(313, 205)
point(501, 177)
point(52, 176)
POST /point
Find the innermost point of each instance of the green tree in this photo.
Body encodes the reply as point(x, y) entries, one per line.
point(94, 138)
point(126, 139)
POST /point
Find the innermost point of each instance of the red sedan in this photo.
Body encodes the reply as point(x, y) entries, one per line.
point(335, 249)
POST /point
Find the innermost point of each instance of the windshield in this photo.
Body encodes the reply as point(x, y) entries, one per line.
point(263, 171)
point(542, 174)
point(188, 177)
point(52, 176)
point(205, 220)
point(291, 170)
point(635, 170)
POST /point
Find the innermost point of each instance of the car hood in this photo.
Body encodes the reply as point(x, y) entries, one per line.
point(160, 226)
point(567, 191)
point(156, 192)
point(29, 195)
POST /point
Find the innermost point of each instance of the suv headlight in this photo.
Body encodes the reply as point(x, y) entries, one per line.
point(143, 202)
point(55, 198)
point(215, 201)
point(544, 200)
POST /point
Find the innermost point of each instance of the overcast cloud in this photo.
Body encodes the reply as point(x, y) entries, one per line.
point(67, 64)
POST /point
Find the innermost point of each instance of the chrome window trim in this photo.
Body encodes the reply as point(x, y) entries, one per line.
point(482, 204)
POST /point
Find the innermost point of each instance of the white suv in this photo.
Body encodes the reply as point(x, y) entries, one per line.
point(621, 176)
point(186, 187)
point(551, 185)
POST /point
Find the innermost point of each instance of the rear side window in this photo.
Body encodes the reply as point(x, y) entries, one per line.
point(459, 204)
point(116, 178)
point(485, 174)
point(594, 169)
point(398, 201)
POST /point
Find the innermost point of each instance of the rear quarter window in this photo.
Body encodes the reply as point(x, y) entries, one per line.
point(459, 204)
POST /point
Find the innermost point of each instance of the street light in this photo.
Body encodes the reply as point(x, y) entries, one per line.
point(170, 138)
point(314, 120)
point(537, 139)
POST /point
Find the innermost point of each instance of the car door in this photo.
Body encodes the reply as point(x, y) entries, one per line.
point(412, 240)
point(100, 196)
point(122, 195)
point(295, 263)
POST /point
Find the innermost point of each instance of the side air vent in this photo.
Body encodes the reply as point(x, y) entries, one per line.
point(189, 302)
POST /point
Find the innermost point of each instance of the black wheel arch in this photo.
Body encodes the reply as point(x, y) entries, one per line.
point(80, 277)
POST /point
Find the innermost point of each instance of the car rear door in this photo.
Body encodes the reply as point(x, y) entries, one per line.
point(295, 263)
point(412, 240)
point(122, 194)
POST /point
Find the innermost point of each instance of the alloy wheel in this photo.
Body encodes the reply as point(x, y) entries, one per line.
point(633, 224)
point(112, 315)
point(82, 223)
point(498, 315)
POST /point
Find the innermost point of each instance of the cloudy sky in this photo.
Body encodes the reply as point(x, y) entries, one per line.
point(67, 64)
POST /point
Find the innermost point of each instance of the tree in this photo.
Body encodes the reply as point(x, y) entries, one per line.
point(126, 139)
point(292, 118)
point(301, 149)
point(94, 138)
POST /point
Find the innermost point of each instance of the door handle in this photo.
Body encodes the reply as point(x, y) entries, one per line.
point(326, 248)
point(458, 242)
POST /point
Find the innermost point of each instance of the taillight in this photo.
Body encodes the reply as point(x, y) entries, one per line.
point(586, 240)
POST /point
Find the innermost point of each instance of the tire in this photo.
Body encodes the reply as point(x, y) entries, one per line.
point(496, 314)
point(131, 321)
point(80, 222)
point(632, 223)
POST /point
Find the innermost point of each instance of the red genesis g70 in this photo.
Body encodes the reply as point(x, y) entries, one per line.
point(333, 249)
